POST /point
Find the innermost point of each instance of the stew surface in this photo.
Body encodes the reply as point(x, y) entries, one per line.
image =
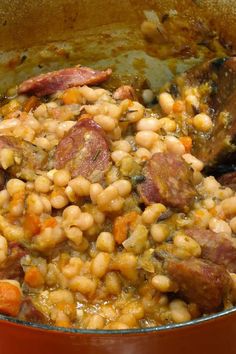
point(107, 218)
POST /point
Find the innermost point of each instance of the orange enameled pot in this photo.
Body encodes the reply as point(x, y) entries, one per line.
point(97, 32)
point(212, 334)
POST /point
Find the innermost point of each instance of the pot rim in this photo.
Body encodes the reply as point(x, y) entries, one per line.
point(194, 322)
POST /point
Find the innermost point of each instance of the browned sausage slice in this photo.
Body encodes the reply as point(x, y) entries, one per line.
point(168, 180)
point(216, 247)
point(28, 158)
point(228, 180)
point(200, 282)
point(2, 179)
point(125, 92)
point(46, 84)
point(84, 151)
point(11, 268)
point(29, 312)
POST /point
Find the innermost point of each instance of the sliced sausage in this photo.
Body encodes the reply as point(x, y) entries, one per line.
point(2, 179)
point(8, 142)
point(228, 180)
point(168, 180)
point(201, 282)
point(216, 247)
point(28, 158)
point(125, 92)
point(49, 83)
point(29, 312)
point(11, 268)
point(84, 151)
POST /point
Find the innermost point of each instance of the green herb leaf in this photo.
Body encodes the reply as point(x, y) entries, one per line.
point(137, 179)
point(96, 155)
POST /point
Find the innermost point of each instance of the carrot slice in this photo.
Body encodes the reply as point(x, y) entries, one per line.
point(178, 106)
point(33, 277)
point(64, 323)
point(17, 198)
point(121, 225)
point(50, 222)
point(187, 142)
point(71, 96)
point(31, 224)
point(10, 299)
point(31, 103)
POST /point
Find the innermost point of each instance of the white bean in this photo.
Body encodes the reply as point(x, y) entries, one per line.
point(202, 122)
point(122, 145)
point(166, 102)
point(146, 138)
point(3, 249)
point(179, 311)
point(195, 163)
point(148, 96)
point(123, 186)
point(218, 225)
point(174, 145)
point(118, 155)
point(152, 124)
point(106, 122)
